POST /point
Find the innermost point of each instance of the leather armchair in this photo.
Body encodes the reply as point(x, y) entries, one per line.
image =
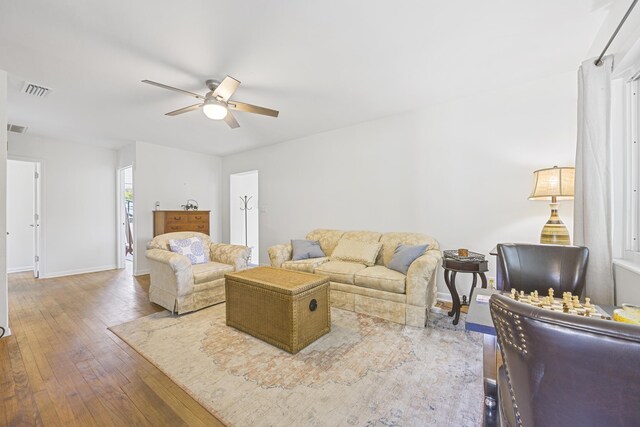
point(565, 370)
point(528, 267)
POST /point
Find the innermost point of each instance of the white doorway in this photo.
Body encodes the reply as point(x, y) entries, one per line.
point(23, 216)
point(125, 218)
point(244, 213)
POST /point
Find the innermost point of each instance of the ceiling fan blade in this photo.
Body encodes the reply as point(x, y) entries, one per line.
point(241, 106)
point(231, 121)
point(184, 110)
point(226, 88)
point(175, 89)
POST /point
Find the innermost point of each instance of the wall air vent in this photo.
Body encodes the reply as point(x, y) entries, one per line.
point(16, 128)
point(35, 90)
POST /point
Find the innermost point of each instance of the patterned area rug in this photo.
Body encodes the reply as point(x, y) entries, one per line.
point(365, 372)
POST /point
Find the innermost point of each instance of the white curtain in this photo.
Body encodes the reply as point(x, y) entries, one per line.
point(592, 210)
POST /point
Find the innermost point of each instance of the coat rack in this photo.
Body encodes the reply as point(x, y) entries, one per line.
point(245, 208)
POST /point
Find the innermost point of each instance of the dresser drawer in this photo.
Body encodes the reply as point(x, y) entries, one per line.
point(198, 218)
point(170, 228)
point(176, 218)
point(200, 228)
point(172, 221)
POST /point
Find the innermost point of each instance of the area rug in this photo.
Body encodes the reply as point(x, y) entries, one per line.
point(365, 372)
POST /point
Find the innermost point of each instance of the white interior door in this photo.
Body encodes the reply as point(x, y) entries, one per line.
point(22, 219)
point(36, 220)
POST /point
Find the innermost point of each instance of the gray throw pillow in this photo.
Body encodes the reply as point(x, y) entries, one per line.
point(404, 255)
point(305, 249)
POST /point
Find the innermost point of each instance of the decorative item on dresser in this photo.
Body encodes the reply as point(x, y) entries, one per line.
point(172, 221)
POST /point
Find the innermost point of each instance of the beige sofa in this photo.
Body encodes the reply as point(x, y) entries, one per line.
point(376, 290)
point(181, 287)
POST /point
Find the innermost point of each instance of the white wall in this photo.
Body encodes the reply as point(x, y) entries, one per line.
point(241, 185)
point(78, 232)
point(127, 155)
point(460, 171)
point(20, 211)
point(4, 295)
point(171, 176)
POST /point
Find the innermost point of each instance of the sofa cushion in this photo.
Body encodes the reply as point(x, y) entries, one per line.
point(161, 241)
point(191, 247)
point(362, 236)
point(210, 271)
point(356, 251)
point(305, 249)
point(390, 242)
point(382, 279)
point(328, 239)
point(340, 271)
point(308, 265)
point(404, 256)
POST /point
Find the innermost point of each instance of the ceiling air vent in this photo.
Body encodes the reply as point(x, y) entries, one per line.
point(35, 90)
point(16, 128)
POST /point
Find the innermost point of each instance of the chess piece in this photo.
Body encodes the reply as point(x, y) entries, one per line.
point(513, 293)
point(551, 293)
point(587, 302)
point(565, 307)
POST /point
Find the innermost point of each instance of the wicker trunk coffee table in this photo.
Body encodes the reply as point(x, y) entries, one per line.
point(288, 309)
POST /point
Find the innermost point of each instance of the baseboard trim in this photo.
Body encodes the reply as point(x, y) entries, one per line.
point(19, 269)
point(444, 296)
point(141, 272)
point(78, 271)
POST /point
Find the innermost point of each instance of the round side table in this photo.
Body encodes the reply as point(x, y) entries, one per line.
point(451, 268)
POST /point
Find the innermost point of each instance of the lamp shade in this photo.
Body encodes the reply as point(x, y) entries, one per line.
point(215, 110)
point(553, 182)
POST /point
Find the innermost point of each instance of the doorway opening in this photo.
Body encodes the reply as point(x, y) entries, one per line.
point(244, 212)
point(23, 216)
point(125, 218)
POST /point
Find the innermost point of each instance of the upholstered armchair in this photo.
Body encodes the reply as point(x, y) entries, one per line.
point(565, 370)
point(529, 267)
point(181, 287)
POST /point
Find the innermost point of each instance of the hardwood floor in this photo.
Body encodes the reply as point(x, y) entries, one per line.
point(62, 366)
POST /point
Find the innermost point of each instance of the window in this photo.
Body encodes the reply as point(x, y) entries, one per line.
point(632, 171)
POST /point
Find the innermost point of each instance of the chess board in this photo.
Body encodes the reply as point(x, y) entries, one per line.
point(569, 304)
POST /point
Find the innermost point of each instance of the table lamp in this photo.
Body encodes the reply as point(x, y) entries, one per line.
point(554, 184)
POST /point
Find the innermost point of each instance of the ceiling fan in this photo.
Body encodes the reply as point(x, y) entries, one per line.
point(216, 103)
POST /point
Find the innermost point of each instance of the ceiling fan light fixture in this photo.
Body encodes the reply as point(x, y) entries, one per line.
point(214, 110)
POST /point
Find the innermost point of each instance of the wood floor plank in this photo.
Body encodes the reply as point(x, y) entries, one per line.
point(27, 414)
point(9, 400)
point(192, 415)
point(156, 410)
point(62, 366)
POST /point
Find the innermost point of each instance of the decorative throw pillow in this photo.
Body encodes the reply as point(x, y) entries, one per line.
point(404, 255)
point(356, 251)
point(305, 249)
point(192, 248)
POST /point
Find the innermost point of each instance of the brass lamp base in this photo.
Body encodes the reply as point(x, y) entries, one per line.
point(554, 231)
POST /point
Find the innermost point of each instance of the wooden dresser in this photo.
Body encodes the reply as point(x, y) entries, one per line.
point(171, 221)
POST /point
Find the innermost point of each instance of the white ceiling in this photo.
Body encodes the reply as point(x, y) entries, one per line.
point(323, 64)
